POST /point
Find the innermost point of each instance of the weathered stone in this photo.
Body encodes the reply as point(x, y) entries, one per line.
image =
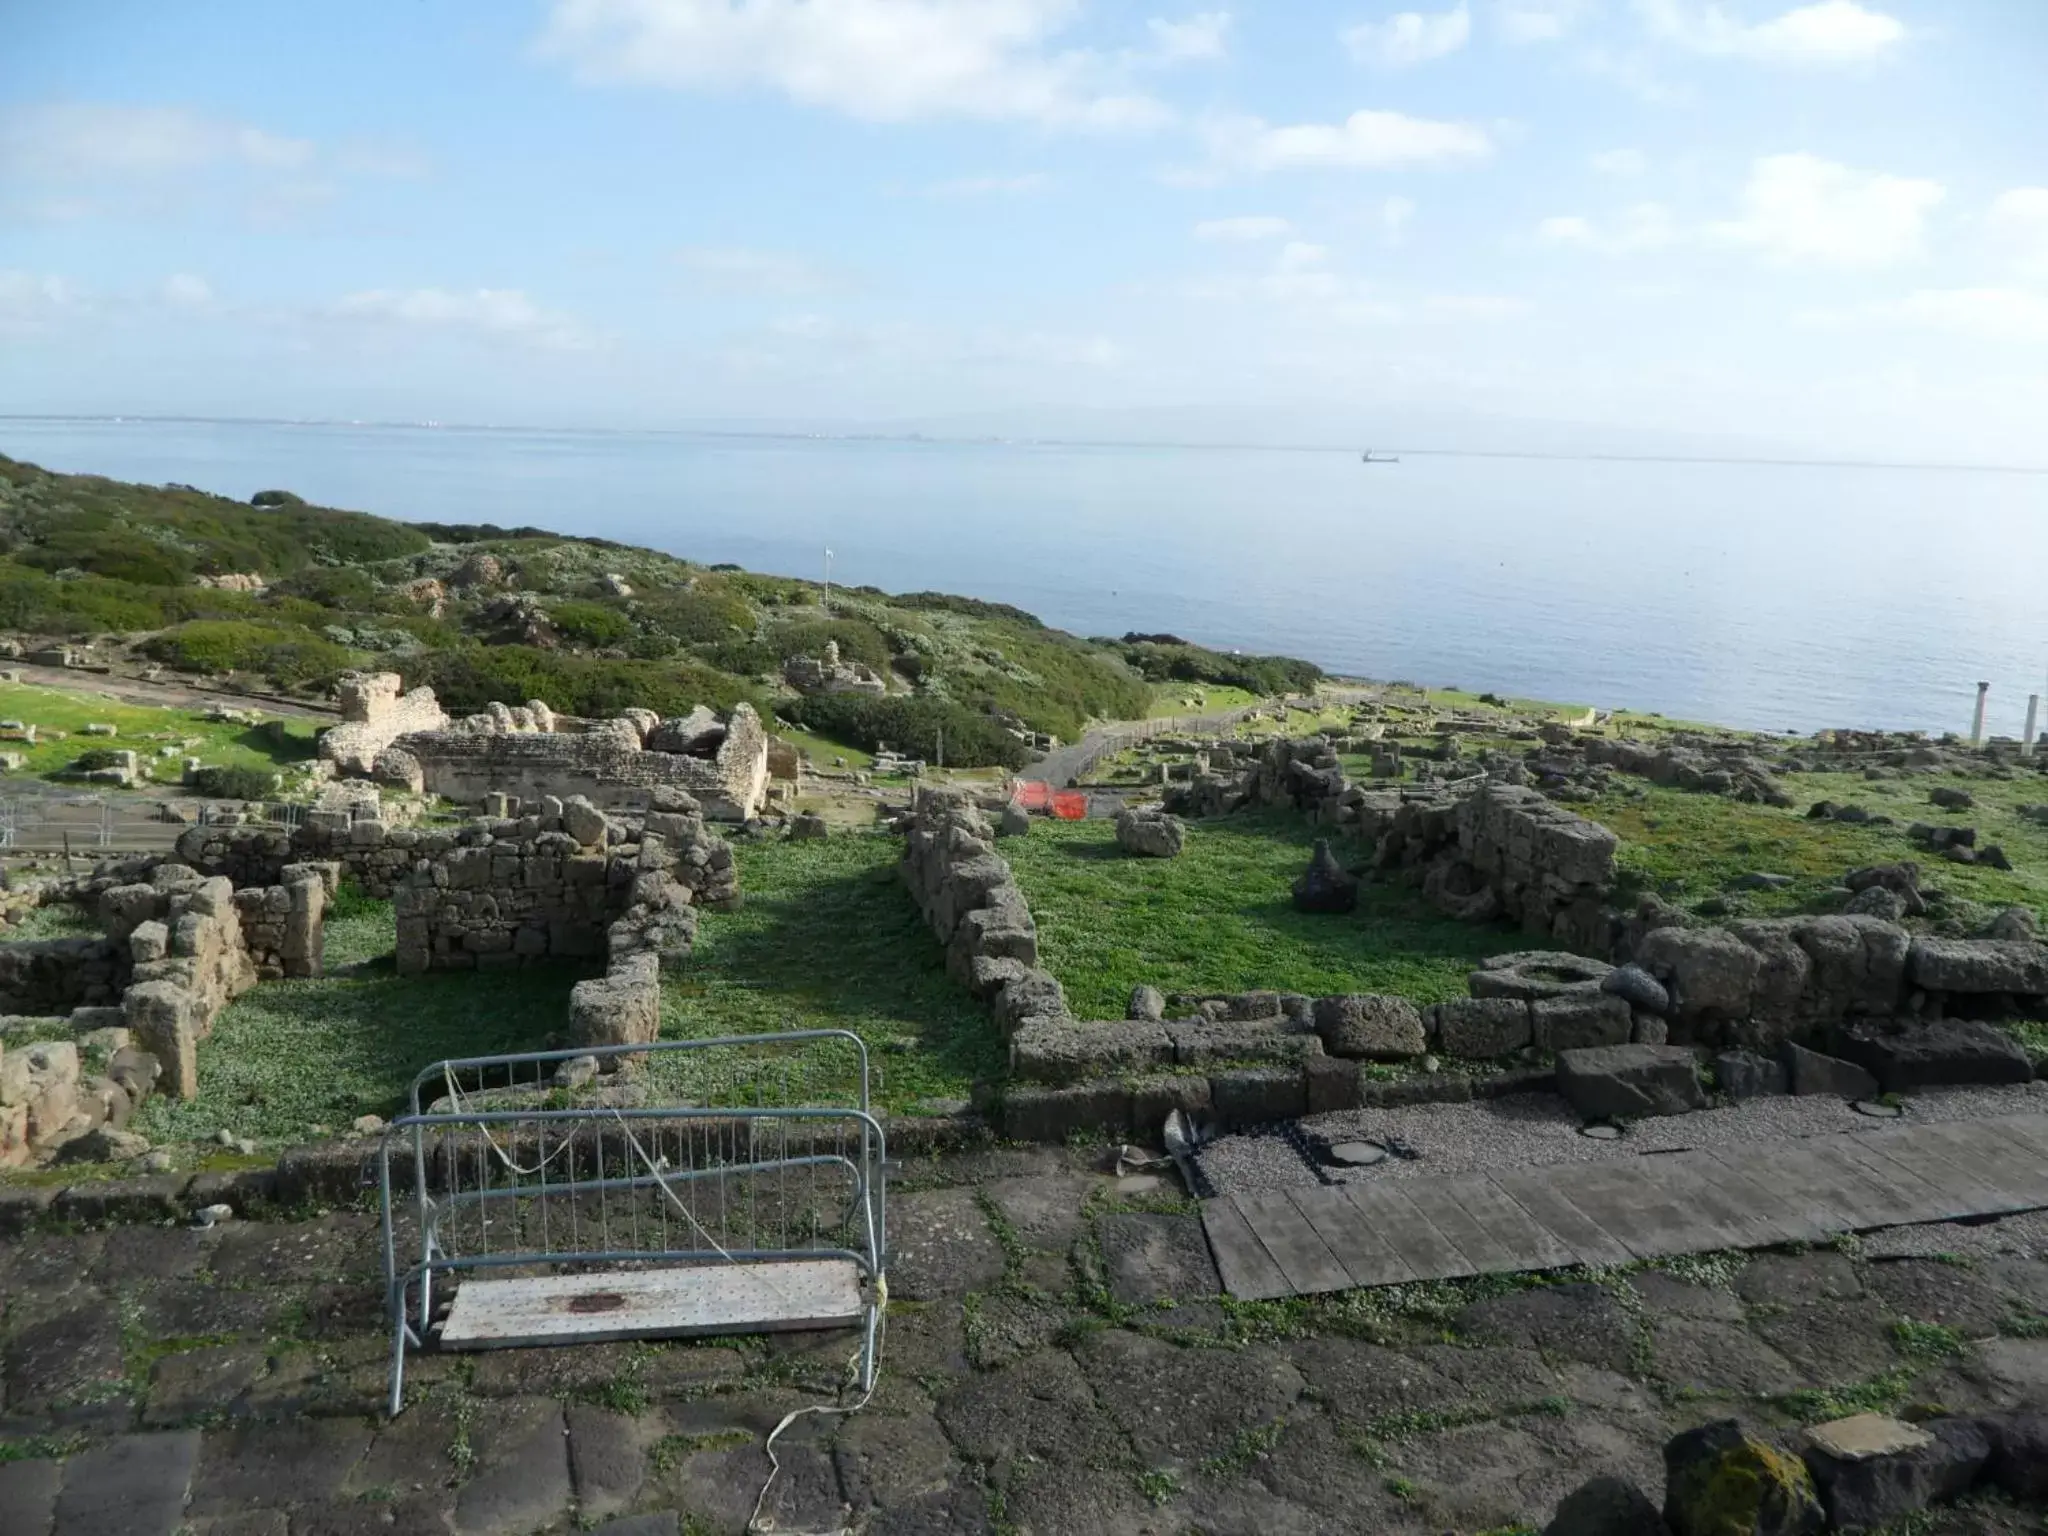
point(1326, 886)
point(1812, 1073)
point(1872, 1470)
point(1607, 1506)
point(1150, 834)
point(1710, 973)
point(1580, 1020)
point(1859, 965)
point(1480, 1028)
point(1905, 1054)
point(1640, 990)
point(1151, 1258)
point(1537, 974)
point(1029, 1113)
point(1628, 1081)
point(1146, 1003)
point(2015, 966)
point(1066, 1051)
point(1014, 822)
point(2018, 1464)
point(1258, 1095)
point(1745, 1075)
point(1370, 1027)
point(1720, 1481)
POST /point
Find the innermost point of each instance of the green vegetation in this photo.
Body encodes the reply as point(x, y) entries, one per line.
point(233, 783)
point(830, 939)
point(268, 747)
point(289, 654)
point(1219, 918)
point(287, 1056)
point(1168, 658)
point(920, 727)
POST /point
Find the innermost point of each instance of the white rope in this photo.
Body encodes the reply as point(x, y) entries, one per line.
point(754, 1521)
point(455, 1095)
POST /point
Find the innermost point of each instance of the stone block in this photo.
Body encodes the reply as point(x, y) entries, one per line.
point(1331, 1083)
point(1811, 1072)
point(1366, 1026)
point(1481, 1028)
point(1745, 1075)
point(1873, 1471)
point(1258, 1095)
point(1905, 1054)
point(1580, 1021)
point(1068, 1051)
point(2018, 967)
point(1196, 1041)
point(1719, 1480)
point(1710, 973)
point(1155, 1097)
point(1630, 1081)
point(1053, 1114)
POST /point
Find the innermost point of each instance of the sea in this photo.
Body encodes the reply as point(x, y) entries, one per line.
point(1781, 597)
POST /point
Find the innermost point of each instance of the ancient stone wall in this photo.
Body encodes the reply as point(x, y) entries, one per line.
point(284, 926)
point(185, 939)
point(607, 762)
point(374, 713)
point(54, 976)
point(373, 854)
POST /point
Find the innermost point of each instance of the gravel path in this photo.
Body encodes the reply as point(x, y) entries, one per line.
point(1530, 1130)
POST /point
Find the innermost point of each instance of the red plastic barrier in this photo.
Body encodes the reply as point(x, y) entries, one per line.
point(1070, 804)
point(1034, 794)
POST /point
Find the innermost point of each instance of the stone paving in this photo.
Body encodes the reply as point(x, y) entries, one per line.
point(1058, 1362)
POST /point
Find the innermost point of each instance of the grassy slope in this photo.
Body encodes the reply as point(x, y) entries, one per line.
point(145, 729)
point(1219, 919)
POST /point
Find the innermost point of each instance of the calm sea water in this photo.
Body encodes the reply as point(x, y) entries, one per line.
point(1773, 597)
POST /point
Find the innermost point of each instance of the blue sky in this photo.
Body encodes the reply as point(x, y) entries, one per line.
point(1819, 227)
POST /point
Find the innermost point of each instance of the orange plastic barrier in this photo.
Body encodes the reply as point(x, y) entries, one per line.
point(1070, 804)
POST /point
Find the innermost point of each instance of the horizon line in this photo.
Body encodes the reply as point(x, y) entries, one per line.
point(985, 440)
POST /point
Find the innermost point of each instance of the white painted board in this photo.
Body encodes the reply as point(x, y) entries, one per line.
point(590, 1307)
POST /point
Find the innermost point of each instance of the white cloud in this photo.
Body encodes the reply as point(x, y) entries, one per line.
point(2015, 315)
point(500, 314)
point(1363, 141)
point(989, 186)
point(1621, 162)
point(1831, 32)
point(1395, 213)
point(1200, 36)
point(1475, 306)
point(736, 269)
point(77, 140)
point(1410, 37)
point(1644, 227)
point(884, 60)
point(1249, 226)
point(2018, 222)
point(802, 343)
point(1539, 21)
point(1803, 210)
point(186, 291)
point(31, 301)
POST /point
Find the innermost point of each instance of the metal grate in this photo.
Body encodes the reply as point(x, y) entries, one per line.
point(747, 1152)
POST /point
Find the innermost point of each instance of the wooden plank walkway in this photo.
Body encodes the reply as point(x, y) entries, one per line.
point(1617, 1210)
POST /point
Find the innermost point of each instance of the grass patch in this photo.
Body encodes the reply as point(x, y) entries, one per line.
point(1927, 1343)
point(1236, 1459)
point(1220, 919)
point(828, 938)
point(1880, 1394)
point(271, 745)
point(288, 1056)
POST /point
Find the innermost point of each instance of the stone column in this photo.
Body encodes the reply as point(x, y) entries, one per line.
point(1977, 720)
point(2033, 720)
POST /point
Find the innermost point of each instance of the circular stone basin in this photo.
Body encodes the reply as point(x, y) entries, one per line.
point(1875, 1110)
point(1601, 1132)
point(1357, 1154)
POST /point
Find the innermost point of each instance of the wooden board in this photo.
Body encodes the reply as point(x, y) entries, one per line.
point(1433, 1227)
point(591, 1307)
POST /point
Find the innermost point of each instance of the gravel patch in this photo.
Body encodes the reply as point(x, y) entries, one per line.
point(2024, 1236)
point(1536, 1129)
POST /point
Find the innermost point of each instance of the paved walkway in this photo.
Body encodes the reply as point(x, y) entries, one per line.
point(1331, 1238)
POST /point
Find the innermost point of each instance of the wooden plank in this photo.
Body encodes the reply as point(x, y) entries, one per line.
point(1693, 1182)
point(1919, 1155)
point(1388, 1211)
point(1505, 1219)
point(1547, 1199)
point(1487, 1254)
point(1638, 1213)
point(1304, 1258)
point(1752, 1179)
point(1366, 1256)
point(1858, 1203)
point(1920, 1199)
point(2029, 1131)
point(594, 1306)
point(1248, 1271)
point(2004, 1168)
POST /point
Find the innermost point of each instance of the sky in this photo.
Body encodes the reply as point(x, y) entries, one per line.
point(1818, 229)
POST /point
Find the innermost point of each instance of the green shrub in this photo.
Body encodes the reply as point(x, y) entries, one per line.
point(289, 655)
point(971, 607)
point(702, 616)
point(96, 757)
point(591, 623)
point(857, 640)
point(240, 783)
point(332, 586)
point(911, 725)
point(277, 499)
point(468, 678)
point(1170, 659)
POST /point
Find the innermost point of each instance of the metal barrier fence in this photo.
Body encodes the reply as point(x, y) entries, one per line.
point(699, 1186)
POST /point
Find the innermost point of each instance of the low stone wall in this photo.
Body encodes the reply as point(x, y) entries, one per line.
point(185, 940)
point(54, 976)
point(374, 714)
point(284, 926)
point(375, 856)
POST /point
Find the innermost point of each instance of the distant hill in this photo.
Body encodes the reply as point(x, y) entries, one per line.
point(296, 594)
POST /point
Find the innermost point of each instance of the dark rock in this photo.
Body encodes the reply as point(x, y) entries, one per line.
point(1720, 1481)
point(1871, 1470)
point(1820, 810)
point(1146, 1003)
point(1994, 856)
point(1957, 853)
point(1365, 1026)
point(1876, 901)
point(1533, 974)
point(1641, 990)
point(1607, 1506)
point(1949, 798)
point(1853, 814)
point(1901, 879)
point(1760, 880)
point(1744, 1075)
point(1811, 1073)
point(1628, 1081)
point(1153, 1258)
point(1331, 1084)
point(1580, 1020)
point(1905, 1054)
point(2016, 966)
point(2013, 923)
point(1480, 1028)
point(2018, 1465)
point(1258, 1095)
point(1326, 887)
point(132, 1483)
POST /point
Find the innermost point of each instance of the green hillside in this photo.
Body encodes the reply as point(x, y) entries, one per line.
point(482, 612)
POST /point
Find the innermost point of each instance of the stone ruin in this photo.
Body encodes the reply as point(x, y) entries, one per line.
point(528, 750)
point(828, 674)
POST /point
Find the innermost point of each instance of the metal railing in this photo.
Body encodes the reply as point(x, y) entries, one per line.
point(745, 1150)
